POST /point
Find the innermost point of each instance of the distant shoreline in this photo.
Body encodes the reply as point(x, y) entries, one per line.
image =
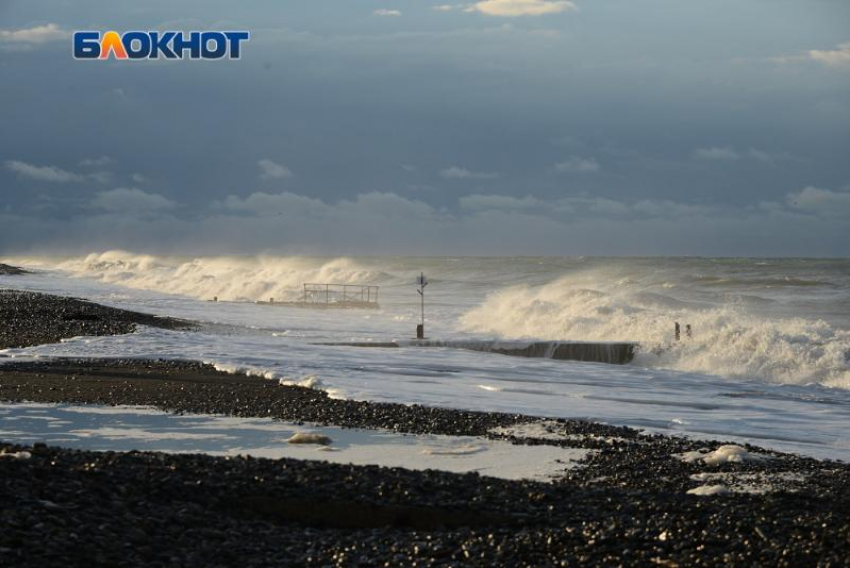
point(6, 270)
point(32, 318)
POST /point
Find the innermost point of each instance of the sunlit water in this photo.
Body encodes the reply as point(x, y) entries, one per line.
point(767, 362)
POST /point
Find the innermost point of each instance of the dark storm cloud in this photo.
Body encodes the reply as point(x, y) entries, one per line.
point(618, 110)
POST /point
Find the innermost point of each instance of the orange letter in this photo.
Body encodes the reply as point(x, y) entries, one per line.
point(112, 42)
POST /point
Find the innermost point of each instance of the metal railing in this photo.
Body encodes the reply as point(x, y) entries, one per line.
point(340, 294)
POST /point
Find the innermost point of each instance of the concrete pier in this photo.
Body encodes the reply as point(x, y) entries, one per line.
point(615, 353)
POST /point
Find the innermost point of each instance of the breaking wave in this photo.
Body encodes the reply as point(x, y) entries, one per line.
point(730, 340)
point(224, 277)
point(783, 321)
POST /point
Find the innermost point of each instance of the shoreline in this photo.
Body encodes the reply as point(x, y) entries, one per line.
point(7, 270)
point(196, 388)
point(33, 318)
point(628, 502)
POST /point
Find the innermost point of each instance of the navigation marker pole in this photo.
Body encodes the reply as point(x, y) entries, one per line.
point(422, 281)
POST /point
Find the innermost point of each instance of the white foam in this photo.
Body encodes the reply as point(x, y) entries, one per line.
point(308, 381)
point(232, 369)
point(464, 450)
point(548, 430)
point(729, 453)
point(140, 434)
point(225, 277)
point(310, 438)
point(706, 490)
point(727, 340)
point(15, 455)
point(752, 483)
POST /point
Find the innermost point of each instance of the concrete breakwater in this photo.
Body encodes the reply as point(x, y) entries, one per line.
point(616, 353)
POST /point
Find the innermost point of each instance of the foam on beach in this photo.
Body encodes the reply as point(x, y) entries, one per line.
point(310, 438)
point(724, 454)
point(756, 483)
point(707, 490)
point(549, 430)
point(231, 369)
point(307, 381)
point(459, 451)
point(23, 455)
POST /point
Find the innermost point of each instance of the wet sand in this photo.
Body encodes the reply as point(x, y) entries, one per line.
point(628, 504)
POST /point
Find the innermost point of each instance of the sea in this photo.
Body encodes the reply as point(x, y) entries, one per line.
point(767, 360)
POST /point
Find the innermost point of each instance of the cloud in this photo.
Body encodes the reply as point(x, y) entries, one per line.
point(771, 158)
point(100, 177)
point(131, 200)
point(34, 35)
point(293, 206)
point(456, 172)
point(822, 202)
point(443, 8)
point(730, 154)
point(50, 174)
point(838, 57)
point(671, 209)
point(273, 204)
point(578, 165)
point(589, 207)
point(96, 162)
point(478, 202)
point(384, 13)
point(376, 223)
point(514, 8)
point(272, 170)
point(761, 156)
point(716, 154)
point(138, 178)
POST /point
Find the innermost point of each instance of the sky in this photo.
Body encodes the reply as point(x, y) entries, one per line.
point(415, 127)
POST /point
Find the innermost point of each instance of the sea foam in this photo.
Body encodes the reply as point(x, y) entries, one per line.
point(727, 339)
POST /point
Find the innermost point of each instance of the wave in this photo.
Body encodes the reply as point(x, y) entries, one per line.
point(224, 277)
point(752, 282)
point(755, 331)
point(726, 340)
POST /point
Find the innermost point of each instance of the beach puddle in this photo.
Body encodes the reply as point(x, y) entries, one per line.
point(125, 428)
